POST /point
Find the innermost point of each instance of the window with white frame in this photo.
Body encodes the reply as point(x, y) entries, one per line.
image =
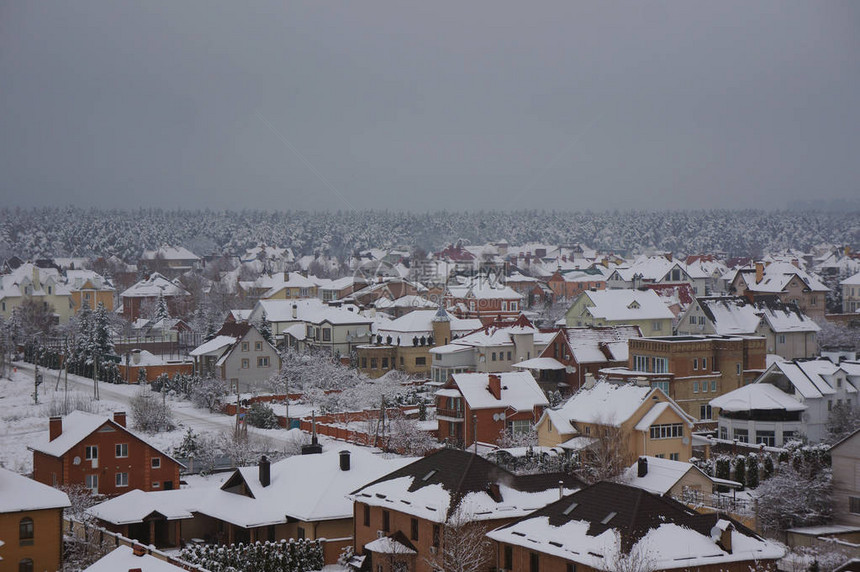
point(667, 431)
point(263, 361)
point(155, 462)
point(121, 450)
point(91, 482)
point(122, 479)
point(91, 452)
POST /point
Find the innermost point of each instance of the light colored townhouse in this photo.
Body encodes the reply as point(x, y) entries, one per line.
point(411, 518)
point(483, 407)
point(43, 285)
point(692, 370)
point(788, 332)
point(100, 454)
point(574, 353)
point(239, 355)
point(610, 526)
point(658, 270)
point(405, 343)
point(643, 420)
point(621, 307)
point(790, 400)
point(312, 324)
point(851, 294)
point(303, 496)
point(492, 349)
point(279, 286)
point(845, 463)
point(332, 290)
point(31, 524)
point(785, 280)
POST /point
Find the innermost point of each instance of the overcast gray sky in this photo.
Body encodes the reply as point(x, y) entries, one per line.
point(424, 105)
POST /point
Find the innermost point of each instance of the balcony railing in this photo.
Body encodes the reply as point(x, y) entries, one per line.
point(450, 413)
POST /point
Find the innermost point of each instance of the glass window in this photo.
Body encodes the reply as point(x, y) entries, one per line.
point(258, 346)
point(121, 450)
point(705, 364)
point(534, 562)
point(25, 531)
point(714, 385)
point(386, 520)
point(366, 517)
point(122, 479)
point(695, 387)
point(413, 529)
point(767, 438)
point(263, 361)
point(695, 364)
point(155, 462)
point(246, 363)
point(326, 334)
point(25, 565)
point(245, 346)
point(742, 435)
point(91, 452)
point(92, 482)
point(705, 412)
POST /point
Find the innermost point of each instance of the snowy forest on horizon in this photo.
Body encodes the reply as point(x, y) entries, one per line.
point(47, 232)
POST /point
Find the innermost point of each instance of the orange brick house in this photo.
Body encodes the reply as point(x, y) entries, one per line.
point(413, 518)
point(481, 406)
point(610, 526)
point(102, 455)
point(31, 524)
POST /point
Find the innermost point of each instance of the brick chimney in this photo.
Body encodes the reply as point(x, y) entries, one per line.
point(55, 427)
point(265, 471)
point(759, 272)
point(642, 467)
point(119, 418)
point(495, 386)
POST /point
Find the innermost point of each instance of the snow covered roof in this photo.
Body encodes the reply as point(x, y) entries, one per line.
point(18, 493)
point(304, 487)
point(214, 346)
point(757, 396)
point(483, 289)
point(662, 474)
point(77, 425)
point(619, 305)
point(812, 379)
point(519, 391)
point(605, 403)
point(605, 522)
point(154, 286)
point(408, 301)
point(733, 315)
point(852, 280)
point(544, 363)
point(450, 483)
point(601, 344)
point(777, 275)
point(147, 359)
point(420, 323)
point(170, 253)
point(123, 558)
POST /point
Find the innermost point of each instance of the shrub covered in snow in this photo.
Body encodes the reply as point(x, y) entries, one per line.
point(283, 556)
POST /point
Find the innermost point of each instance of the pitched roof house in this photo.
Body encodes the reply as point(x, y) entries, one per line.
point(239, 354)
point(621, 307)
point(789, 400)
point(31, 523)
point(649, 422)
point(102, 455)
point(610, 526)
point(789, 332)
point(420, 506)
point(303, 496)
point(148, 291)
point(483, 406)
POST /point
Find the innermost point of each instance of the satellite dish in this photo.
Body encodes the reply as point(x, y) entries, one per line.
point(569, 369)
point(685, 440)
point(502, 416)
point(495, 416)
point(76, 461)
point(716, 533)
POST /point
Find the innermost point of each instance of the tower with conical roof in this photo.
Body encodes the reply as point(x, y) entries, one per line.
point(441, 327)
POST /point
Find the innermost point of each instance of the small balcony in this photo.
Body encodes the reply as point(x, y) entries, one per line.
point(446, 414)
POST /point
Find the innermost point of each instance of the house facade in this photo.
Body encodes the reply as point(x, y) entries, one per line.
point(102, 455)
point(621, 307)
point(845, 456)
point(643, 418)
point(484, 406)
point(43, 285)
point(145, 293)
point(791, 400)
point(406, 519)
point(31, 524)
point(692, 370)
point(851, 294)
point(787, 281)
point(788, 332)
point(239, 355)
point(609, 526)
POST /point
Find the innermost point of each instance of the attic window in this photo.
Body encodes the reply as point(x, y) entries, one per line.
point(429, 475)
point(609, 517)
point(569, 509)
point(634, 305)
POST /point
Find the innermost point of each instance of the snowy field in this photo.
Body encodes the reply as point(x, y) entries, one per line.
point(24, 422)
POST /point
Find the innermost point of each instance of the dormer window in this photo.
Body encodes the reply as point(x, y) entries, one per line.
point(634, 305)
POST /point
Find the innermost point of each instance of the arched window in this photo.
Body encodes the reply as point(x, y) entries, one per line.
point(25, 565)
point(25, 531)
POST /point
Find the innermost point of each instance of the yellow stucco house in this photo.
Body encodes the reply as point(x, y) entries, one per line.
point(641, 308)
point(644, 418)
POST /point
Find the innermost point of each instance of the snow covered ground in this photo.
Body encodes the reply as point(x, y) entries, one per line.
point(23, 422)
